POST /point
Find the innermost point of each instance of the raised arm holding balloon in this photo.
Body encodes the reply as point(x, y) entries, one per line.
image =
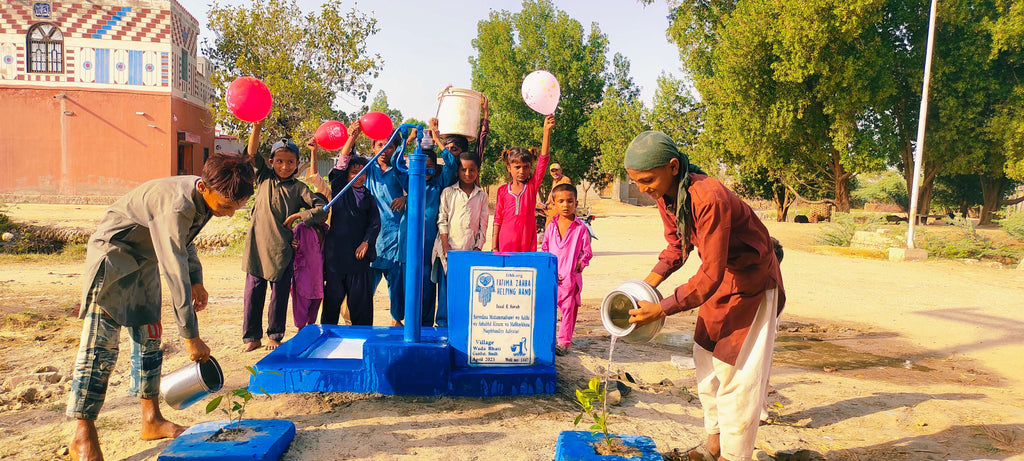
point(515, 228)
point(281, 200)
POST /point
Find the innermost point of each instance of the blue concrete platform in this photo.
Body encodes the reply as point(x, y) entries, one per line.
point(339, 358)
point(578, 446)
point(500, 340)
point(271, 439)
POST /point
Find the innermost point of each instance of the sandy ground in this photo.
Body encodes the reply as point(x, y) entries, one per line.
point(875, 360)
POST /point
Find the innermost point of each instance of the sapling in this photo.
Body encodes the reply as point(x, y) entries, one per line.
point(586, 399)
point(238, 398)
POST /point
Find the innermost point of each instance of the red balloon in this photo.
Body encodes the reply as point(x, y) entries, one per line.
point(376, 125)
point(249, 99)
point(331, 135)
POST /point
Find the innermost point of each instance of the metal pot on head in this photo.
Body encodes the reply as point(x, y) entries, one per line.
point(190, 383)
point(615, 312)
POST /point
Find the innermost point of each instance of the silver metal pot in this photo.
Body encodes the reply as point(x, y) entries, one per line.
point(615, 311)
point(190, 383)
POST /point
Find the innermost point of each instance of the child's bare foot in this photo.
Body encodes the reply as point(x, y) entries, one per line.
point(160, 429)
point(396, 323)
point(85, 443)
point(248, 347)
point(272, 344)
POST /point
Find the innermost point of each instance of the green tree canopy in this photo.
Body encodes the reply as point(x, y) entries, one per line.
point(510, 46)
point(619, 118)
point(306, 59)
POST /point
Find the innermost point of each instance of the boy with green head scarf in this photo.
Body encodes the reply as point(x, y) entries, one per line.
point(738, 288)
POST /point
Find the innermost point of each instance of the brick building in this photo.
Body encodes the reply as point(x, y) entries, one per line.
point(98, 96)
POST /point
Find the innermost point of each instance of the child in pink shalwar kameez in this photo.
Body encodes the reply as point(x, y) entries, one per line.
point(567, 238)
point(308, 281)
point(515, 228)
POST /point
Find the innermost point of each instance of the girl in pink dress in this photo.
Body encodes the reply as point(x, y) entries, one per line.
point(515, 229)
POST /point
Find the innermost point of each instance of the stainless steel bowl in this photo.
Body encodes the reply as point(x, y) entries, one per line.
point(190, 383)
point(615, 311)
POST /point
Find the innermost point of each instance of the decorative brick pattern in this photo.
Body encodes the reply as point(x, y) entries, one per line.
point(83, 20)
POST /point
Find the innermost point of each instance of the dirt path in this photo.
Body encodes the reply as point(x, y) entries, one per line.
point(875, 360)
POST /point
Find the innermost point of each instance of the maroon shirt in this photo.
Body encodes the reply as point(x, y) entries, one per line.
point(737, 266)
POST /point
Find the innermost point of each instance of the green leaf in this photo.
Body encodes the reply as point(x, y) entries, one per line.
point(252, 371)
point(264, 392)
point(235, 406)
point(272, 373)
point(214, 403)
point(239, 392)
point(578, 418)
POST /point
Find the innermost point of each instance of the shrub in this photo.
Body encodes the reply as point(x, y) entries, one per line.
point(966, 243)
point(839, 232)
point(1014, 225)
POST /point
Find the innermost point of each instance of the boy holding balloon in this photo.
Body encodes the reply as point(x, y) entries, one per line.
point(385, 183)
point(281, 200)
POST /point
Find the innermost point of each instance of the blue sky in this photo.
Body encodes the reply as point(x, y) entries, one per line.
point(417, 66)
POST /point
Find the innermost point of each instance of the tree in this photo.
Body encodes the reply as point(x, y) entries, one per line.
point(613, 124)
point(677, 113)
point(306, 59)
point(510, 46)
point(380, 104)
point(794, 85)
point(977, 98)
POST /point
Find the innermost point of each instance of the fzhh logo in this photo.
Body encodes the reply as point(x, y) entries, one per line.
point(484, 288)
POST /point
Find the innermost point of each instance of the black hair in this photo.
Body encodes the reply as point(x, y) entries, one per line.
point(459, 140)
point(356, 161)
point(230, 175)
point(470, 156)
point(519, 154)
point(563, 188)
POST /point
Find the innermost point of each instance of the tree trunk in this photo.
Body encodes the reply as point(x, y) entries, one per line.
point(782, 201)
point(927, 187)
point(991, 196)
point(842, 183)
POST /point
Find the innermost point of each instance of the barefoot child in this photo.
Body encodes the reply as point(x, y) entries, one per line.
point(147, 232)
point(351, 243)
point(514, 226)
point(308, 280)
point(461, 225)
point(567, 237)
point(281, 199)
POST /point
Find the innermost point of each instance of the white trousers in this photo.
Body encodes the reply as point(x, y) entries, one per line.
point(733, 396)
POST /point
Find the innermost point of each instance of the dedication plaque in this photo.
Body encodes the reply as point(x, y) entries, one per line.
point(501, 313)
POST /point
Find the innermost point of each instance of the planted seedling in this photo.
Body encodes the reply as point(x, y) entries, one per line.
point(589, 399)
point(235, 401)
point(586, 399)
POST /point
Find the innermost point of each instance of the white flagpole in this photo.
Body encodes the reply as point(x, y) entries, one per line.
point(919, 151)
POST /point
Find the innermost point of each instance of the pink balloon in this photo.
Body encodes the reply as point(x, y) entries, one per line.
point(376, 125)
point(249, 99)
point(331, 135)
point(541, 91)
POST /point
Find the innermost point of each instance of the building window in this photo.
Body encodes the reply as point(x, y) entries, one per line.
point(184, 65)
point(45, 48)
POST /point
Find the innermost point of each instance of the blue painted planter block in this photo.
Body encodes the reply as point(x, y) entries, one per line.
point(578, 446)
point(271, 439)
point(500, 340)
